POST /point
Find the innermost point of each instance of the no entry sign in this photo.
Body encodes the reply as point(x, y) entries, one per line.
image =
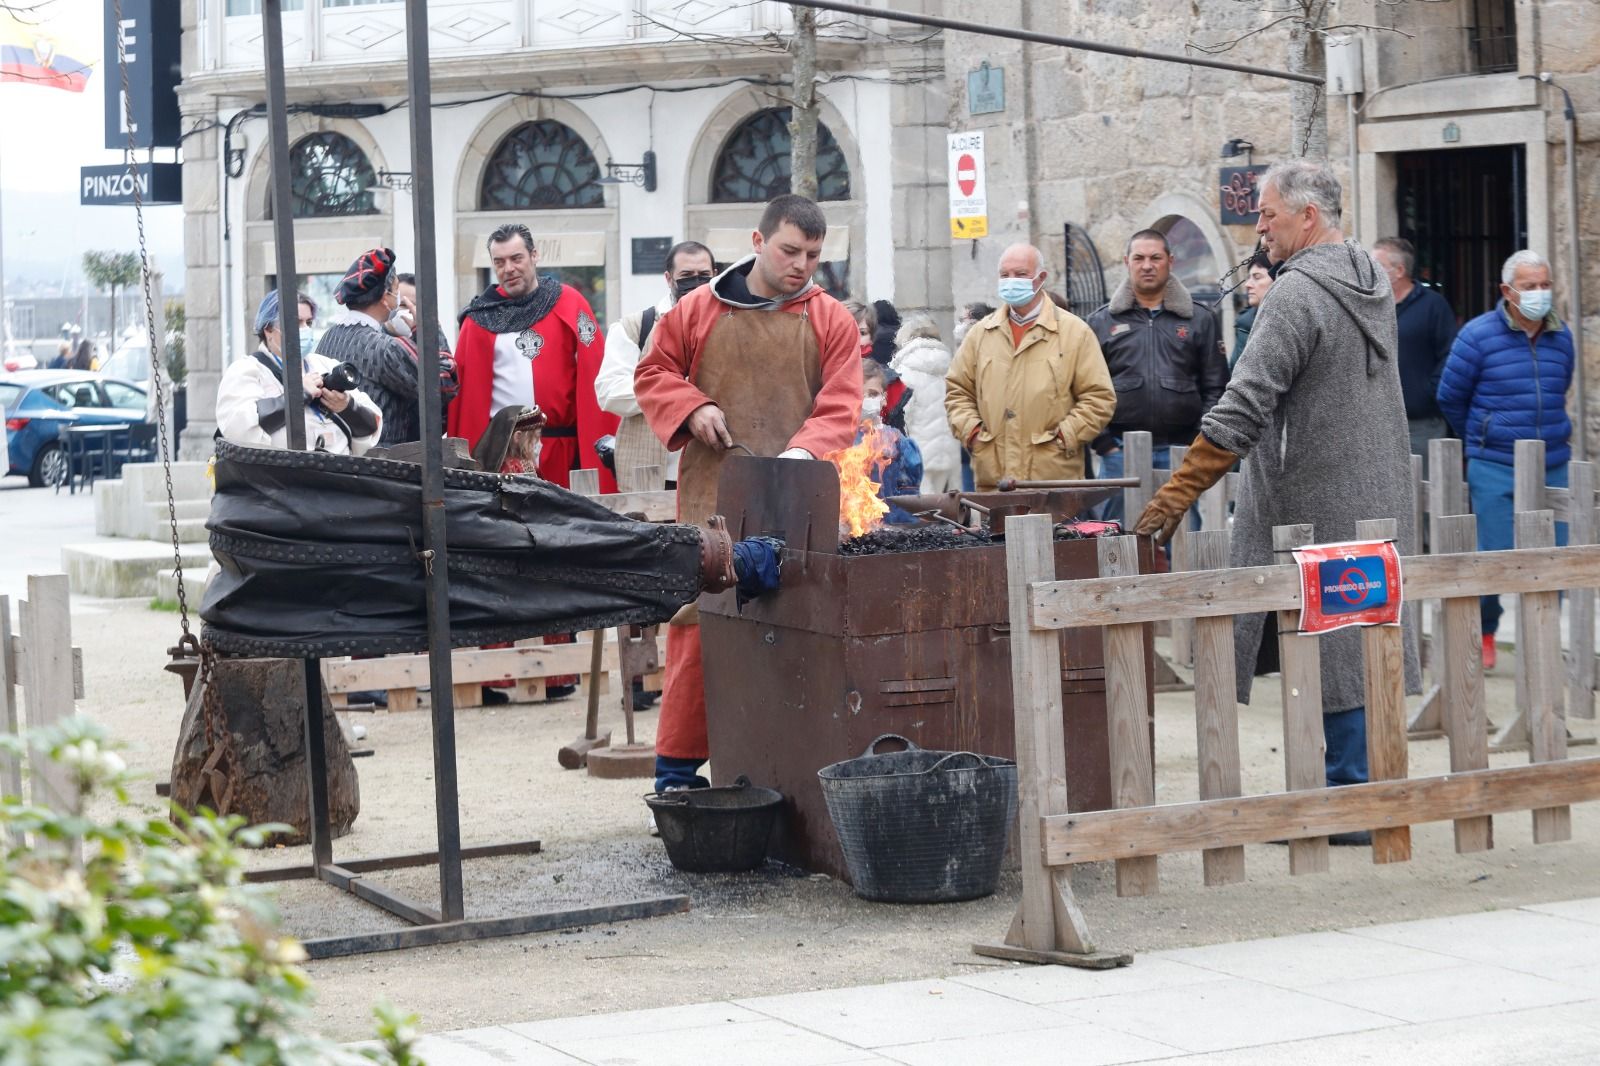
point(1353, 584)
point(969, 197)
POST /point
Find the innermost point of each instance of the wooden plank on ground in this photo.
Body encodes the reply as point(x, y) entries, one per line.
point(1383, 649)
point(1048, 918)
point(1304, 745)
point(1104, 601)
point(1133, 781)
point(1466, 718)
point(1216, 710)
point(1539, 646)
point(1101, 836)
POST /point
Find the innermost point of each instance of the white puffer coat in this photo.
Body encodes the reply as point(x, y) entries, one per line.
point(923, 362)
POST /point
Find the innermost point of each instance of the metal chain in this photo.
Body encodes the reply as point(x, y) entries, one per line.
point(150, 323)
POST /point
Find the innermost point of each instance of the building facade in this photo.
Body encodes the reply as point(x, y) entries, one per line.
point(532, 101)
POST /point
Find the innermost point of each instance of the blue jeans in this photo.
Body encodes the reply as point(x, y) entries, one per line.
point(1346, 755)
point(968, 481)
point(1492, 487)
point(679, 773)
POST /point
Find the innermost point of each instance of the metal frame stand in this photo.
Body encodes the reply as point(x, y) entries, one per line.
point(447, 923)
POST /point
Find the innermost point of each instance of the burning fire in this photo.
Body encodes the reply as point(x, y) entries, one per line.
point(860, 510)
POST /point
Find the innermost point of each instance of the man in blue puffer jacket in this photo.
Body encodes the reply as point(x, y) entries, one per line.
point(1506, 380)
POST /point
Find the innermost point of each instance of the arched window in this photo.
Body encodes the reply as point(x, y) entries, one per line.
point(754, 164)
point(329, 176)
point(541, 165)
point(1193, 262)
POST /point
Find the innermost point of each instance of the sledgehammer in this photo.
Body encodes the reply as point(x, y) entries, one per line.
point(1011, 484)
point(573, 756)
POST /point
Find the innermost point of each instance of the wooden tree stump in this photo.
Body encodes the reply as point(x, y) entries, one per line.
point(263, 702)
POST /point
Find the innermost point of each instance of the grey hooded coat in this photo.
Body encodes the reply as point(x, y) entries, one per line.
point(1314, 407)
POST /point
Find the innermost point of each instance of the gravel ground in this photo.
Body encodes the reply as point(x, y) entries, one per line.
point(776, 930)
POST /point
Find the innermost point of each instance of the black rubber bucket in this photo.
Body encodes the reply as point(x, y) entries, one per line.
point(922, 826)
point(716, 830)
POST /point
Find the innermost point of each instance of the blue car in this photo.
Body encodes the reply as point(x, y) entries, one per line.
point(38, 403)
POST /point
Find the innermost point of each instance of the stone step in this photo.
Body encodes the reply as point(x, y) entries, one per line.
point(194, 586)
point(121, 568)
point(200, 509)
point(148, 482)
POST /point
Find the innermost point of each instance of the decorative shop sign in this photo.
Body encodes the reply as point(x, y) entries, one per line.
point(1240, 195)
point(969, 194)
point(986, 90)
point(112, 186)
point(150, 33)
point(650, 254)
point(1352, 584)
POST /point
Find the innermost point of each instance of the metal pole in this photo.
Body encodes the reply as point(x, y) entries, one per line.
point(294, 400)
point(1355, 168)
point(990, 30)
point(435, 550)
point(1580, 446)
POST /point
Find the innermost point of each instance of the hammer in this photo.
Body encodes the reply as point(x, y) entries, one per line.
point(1011, 484)
point(575, 755)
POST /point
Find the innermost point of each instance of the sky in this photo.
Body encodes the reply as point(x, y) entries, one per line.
point(46, 134)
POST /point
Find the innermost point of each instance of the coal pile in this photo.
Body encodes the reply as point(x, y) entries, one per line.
point(890, 540)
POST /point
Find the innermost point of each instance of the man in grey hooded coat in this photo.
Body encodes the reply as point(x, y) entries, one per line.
point(1315, 409)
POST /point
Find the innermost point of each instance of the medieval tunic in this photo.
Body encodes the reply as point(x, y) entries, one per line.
point(786, 374)
point(542, 348)
point(1315, 408)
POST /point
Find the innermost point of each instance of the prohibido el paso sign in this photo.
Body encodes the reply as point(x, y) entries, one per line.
point(1356, 583)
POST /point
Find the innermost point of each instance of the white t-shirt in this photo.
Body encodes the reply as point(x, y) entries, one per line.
point(513, 371)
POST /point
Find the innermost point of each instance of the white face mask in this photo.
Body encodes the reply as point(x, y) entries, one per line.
point(871, 407)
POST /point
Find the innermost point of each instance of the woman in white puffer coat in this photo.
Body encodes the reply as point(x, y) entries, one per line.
point(922, 360)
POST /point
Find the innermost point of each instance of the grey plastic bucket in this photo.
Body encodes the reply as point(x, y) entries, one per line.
point(921, 826)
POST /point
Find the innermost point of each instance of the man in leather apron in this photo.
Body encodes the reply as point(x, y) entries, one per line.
point(762, 358)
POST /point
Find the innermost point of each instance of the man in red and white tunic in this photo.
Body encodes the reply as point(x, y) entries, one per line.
point(532, 340)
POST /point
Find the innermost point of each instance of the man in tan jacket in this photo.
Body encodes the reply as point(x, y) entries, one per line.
point(1029, 386)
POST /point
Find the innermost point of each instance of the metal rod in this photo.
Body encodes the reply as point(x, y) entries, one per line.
point(990, 30)
point(1580, 448)
point(1011, 484)
point(393, 862)
point(294, 400)
point(397, 905)
point(316, 764)
point(447, 809)
point(1355, 167)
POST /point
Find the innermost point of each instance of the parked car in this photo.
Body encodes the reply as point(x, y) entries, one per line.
point(38, 403)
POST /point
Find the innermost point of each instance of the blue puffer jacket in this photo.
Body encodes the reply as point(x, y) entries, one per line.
point(1498, 387)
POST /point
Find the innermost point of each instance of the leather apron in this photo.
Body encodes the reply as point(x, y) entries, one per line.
point(764, 369)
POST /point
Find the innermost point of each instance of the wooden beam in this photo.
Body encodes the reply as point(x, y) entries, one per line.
point(1101, 836)
point(1304, 745)
point(1133, 781)
point(1460, 656)
point(1138, 460)
point(46, 625)
point(1216, 710)
point(474, 665)
point(1248, 589)
point(657, 505)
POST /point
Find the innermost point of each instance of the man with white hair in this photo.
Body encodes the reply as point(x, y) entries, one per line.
point(1506, 380)
point(1314, 408)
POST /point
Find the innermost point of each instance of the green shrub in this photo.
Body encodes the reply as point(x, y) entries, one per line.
point(151, 948)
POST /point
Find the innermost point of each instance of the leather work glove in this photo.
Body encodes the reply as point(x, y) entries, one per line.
point(1203, 466)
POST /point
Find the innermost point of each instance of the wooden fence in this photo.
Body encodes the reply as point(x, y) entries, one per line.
point(40, 660)
point(1049, 926)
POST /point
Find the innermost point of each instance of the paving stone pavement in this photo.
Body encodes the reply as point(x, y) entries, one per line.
point(1500, 988)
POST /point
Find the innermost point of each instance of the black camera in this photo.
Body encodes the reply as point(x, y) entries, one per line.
point(342, 378)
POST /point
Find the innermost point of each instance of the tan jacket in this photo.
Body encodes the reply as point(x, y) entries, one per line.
point(1033, 408)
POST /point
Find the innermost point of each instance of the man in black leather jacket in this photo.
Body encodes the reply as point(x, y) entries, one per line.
point(1165, 355)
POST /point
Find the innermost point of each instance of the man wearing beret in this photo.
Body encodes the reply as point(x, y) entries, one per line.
point(250, 399)
point(532, 341)
point(387, 364)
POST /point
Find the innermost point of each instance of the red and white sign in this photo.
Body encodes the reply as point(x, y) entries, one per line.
point(1351, 584)
point(969, 197)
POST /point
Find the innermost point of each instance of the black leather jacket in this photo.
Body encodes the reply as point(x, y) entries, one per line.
point(1168, 368)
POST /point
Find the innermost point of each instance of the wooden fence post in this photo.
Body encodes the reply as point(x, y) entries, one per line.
point(1182, 559)
point(1460, 660)
point(1216, 709)
point(585, 482)
point(1580, 602)
point(1304, 744)
point(1527, 495)
point(46, 669)
point(1539, 645)
point(1383, 650)
point(1446, 495)
point(1133, 782)
point(1137, 461)
point(10, 768)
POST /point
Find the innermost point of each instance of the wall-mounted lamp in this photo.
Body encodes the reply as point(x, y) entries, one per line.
point(641, 174)
point(1237, 147)
point(394, 179)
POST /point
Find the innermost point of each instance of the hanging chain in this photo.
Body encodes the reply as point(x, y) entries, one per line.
point(187, 639)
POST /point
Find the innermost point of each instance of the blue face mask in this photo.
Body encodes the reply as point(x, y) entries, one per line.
point(308, 340)
point(1016, 291)
point(1534, 303)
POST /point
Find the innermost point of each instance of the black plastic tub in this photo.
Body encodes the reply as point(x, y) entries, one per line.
point(920, 826)
point(716, 830)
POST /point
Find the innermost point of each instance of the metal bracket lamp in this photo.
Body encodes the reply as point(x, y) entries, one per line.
point(1236, 147)
point(641, 174)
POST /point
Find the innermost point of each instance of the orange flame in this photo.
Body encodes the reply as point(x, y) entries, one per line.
point(860, 509)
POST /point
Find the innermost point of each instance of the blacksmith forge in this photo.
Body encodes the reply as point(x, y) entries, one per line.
point(854, 646)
